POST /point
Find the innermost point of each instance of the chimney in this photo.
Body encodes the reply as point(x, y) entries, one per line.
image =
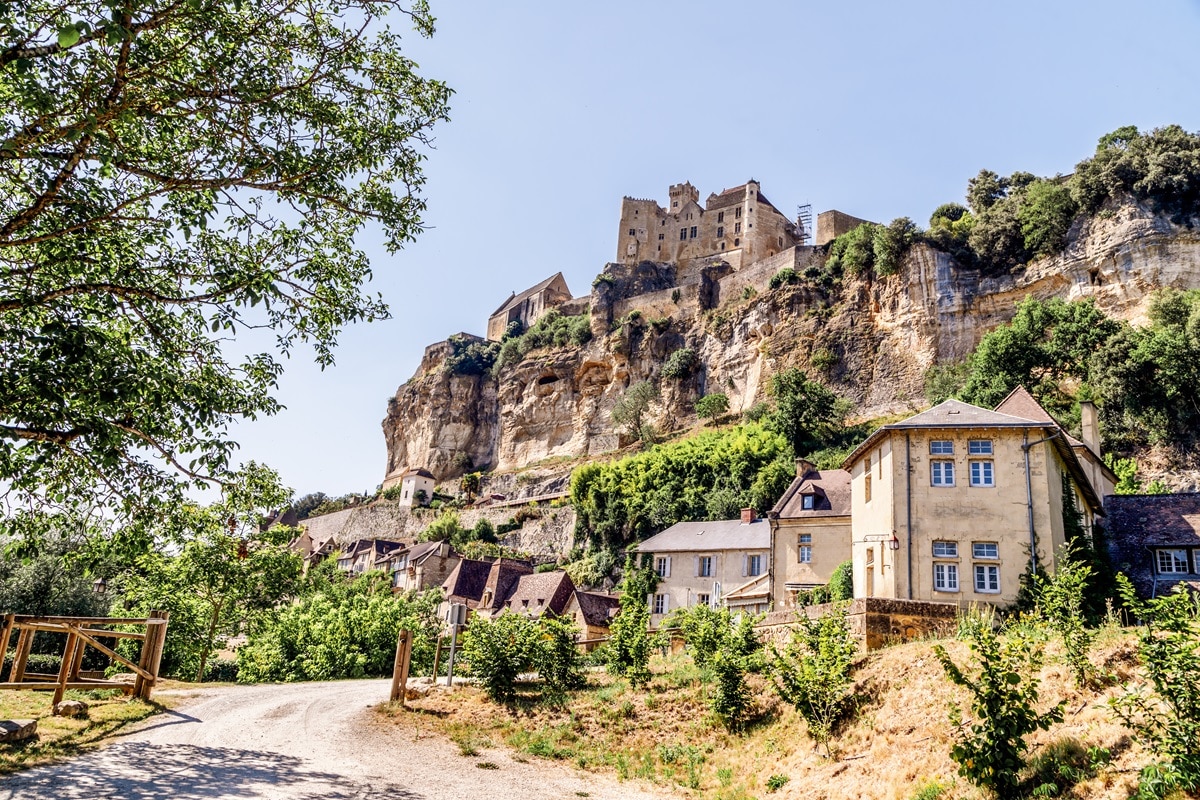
point(1091, 426)
point(747, 516)
point(804, 466)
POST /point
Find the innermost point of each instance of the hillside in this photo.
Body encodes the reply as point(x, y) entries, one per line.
point(871, 339)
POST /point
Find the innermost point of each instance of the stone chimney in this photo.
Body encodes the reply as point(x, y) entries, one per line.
point(747, 516)
point(1090, 424)
point(804, 466)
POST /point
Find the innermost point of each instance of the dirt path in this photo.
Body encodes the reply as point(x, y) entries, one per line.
point(297, 742)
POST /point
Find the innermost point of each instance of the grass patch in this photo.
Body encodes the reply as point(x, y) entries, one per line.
point(59, 737)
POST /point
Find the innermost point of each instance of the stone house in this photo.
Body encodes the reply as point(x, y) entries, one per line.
point(483, 586)
point(738, 220)
point(698, 562)
point(528, 306)
point(810, 532)
point(947, 504)
point(1155, 540)
point(416, 487)
point(313, 550)
point(592, 613)
point(539, 593)
point(366, 554)
point(421, 566)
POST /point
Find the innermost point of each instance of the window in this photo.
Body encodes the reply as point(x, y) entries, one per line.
point(808, 501)
point(945, 577)
point(662, 236)
point(985, 550)
point(737, 242)
point(981, 474)
point(660, 604)
point(945, 549)
point(754, 565)
point(941, 447)
point(674, 204)
point(720, 232)
point(693, 231)
point(682, 234)
point(703, 600)
point(737, 227)
point(806, 548)
point(720, 216)
point(867, 488)
point(987, 578)
point(1172, 561)
point(737, 212)
point(632, 232)
point(704, 566)
point(941, 473)
point(662, 567)
point(980, 447)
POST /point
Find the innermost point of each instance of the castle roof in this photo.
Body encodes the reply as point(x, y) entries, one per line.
point(733, 197)
point(516, 299)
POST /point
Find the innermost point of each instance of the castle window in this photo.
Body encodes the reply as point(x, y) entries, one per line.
point(722, 245)
point(674, 204)
point(720, 232)
point(737, 242)
point(693, 231)
point(632, 232)
point(737, 212)
point(661, 236)
point(737, 227)
point(720, 216)
point(682, 234)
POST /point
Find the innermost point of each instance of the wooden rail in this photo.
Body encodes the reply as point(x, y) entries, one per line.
point(81, 633)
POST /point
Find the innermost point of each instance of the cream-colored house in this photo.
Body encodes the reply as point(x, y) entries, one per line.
point(947, 505)
point(416, 488)
point(810, 532)
point(700, 562)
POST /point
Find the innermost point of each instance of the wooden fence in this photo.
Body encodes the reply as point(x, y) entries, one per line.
point(82, 632)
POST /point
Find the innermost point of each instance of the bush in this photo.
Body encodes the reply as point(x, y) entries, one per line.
point(1003, 694)
point(891, 244)
point(712, 406)
point(787, 275)
point(629, 642)
point(551, 330)
point(1162, 167)
point(471, 357)
point(813, 672)
point(807, 414)
point(841, 583)
point(730, 699)
point(43, 663)
point(221, 670)
point(1045, 215)
point(498, 650)
point(680, 364)
point(559, 662)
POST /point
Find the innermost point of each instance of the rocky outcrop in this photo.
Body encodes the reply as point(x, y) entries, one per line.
point(872, 341)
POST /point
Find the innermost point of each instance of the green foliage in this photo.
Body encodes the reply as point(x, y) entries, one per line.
point(1004, 694)
point(787, 275)
point(984, 191)
point(50, 579)
point(551, 330)
point(712, 406)
point(891, 244)
point(592, 568)
point(629, 642)
point(340, 629)
point(777, 782)
point(630, 411)
point(813, 672)
point(841, 583)
point(471, 356)
point(731, 699)
point(175, 174)
point(558, 660)
point(631, 498)
point(1165, 716)
point(950, 229)
point(931, 790)
point(498, 650)
point(1161, 167)
point(853, 253)
point(680, 364)
point(1059, 600)
point(943, 381)
point(807, 414)
point(443, 529)
point(1045, 216)
point(1062, 764)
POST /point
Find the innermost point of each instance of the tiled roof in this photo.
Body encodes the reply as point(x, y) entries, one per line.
point(467, 581)
point(733, 197)
point(831, 491)
point(1020, 403)
point(516, 299)
point(731, 534)
point(419, 473)
point(1138, 523)
point(597, 608)
point(539, 592)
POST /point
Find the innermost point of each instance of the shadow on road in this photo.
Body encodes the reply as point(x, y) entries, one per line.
point(139, 771)
point(176, 718)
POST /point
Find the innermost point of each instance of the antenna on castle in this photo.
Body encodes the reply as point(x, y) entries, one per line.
point(804, 223)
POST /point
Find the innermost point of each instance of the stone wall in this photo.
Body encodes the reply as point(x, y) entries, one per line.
point(832, 224)
point(874, 621)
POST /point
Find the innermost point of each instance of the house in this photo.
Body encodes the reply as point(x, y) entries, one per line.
point(528, 306)
point(365, 555)
point(421, 566)
point(953, 504)
point(1155, 540)
point(484, 586)
point(695, 560)
point(416, 487)
point(810, 532)
point(313, 550)
point(539, 593)
point(592, 613)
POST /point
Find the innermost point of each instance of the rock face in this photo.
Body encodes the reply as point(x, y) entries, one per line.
point(870, 340)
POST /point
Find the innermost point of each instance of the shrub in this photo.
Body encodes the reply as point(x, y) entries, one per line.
point(470, 356)
point(841, 583)
point(777, 782)
point(630, 411)
point(891, 244)
point(813, 672)
point(730, 699)
point(559, 662)
point(443, 529)
point(1045, 216)
point(853, 253)
point(44, 663)
point(1003, 694)
point(629, 640)
point(807, 414)
point(498, 650)
point(551, 330)
point(712, 406)
point(680, 364)
point(1059, 600)
point(787, 275)
point(222, 670)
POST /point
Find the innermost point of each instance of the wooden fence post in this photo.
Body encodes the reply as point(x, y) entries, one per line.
point(24, 643)
point(156, 637)
point(64, 669)
point(400, 668)
point(437, 656)
point(5, 636)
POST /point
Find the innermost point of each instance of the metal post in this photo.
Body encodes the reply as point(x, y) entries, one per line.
point(450, 661)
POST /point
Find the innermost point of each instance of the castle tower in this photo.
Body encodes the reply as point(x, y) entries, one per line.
point(680, 194)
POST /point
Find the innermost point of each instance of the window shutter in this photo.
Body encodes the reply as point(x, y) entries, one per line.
point(666, 603)
point(745, 565)
point(696, 572)
point(668, 567)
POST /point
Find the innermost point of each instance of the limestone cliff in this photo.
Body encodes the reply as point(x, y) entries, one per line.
point(872, 341)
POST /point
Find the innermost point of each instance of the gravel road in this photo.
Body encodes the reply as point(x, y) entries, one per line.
point(298, 742)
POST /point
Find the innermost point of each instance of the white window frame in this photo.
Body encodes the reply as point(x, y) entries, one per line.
point(754, 565)
point(808, 502)
point(945, 577)
point(660, 604)
point(941, 473)
point(662, 566)
point(981, 551)
point(987, 578)
point(704, 566)
point(806, 554)
point(979, 447)
point(943, 548)
point(704, 600)
point(986, 477)
point(1167, 559)
point(941, 447)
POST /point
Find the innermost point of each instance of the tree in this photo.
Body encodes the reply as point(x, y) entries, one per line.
point(985, 190)
point(629, 641)
point(171, 176)
point(813, 671)
point(630, 411)
point(712, 406)
point(806, 413)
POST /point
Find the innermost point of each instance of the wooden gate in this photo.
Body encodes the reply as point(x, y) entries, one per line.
point(84, 632)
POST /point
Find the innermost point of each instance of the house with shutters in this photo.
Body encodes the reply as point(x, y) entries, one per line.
point(420, 566)
point(702, 563)
point(810, 532)
point(1155, 540)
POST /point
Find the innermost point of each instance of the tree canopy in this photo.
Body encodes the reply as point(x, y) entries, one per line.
point(172, 176)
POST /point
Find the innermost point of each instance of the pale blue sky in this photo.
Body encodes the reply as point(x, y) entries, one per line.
point(879, 109)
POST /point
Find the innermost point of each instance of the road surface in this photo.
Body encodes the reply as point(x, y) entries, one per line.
point(314, 741)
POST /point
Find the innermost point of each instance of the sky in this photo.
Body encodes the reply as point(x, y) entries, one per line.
point(878, 109)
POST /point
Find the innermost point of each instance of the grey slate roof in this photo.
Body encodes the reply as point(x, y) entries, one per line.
point(730, 534)
point(516, 299)
point(597, 608)
point(1138, 523)
point(539, 592)
point(831, 491)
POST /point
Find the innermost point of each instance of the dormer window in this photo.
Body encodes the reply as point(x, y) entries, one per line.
point(808, 502)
